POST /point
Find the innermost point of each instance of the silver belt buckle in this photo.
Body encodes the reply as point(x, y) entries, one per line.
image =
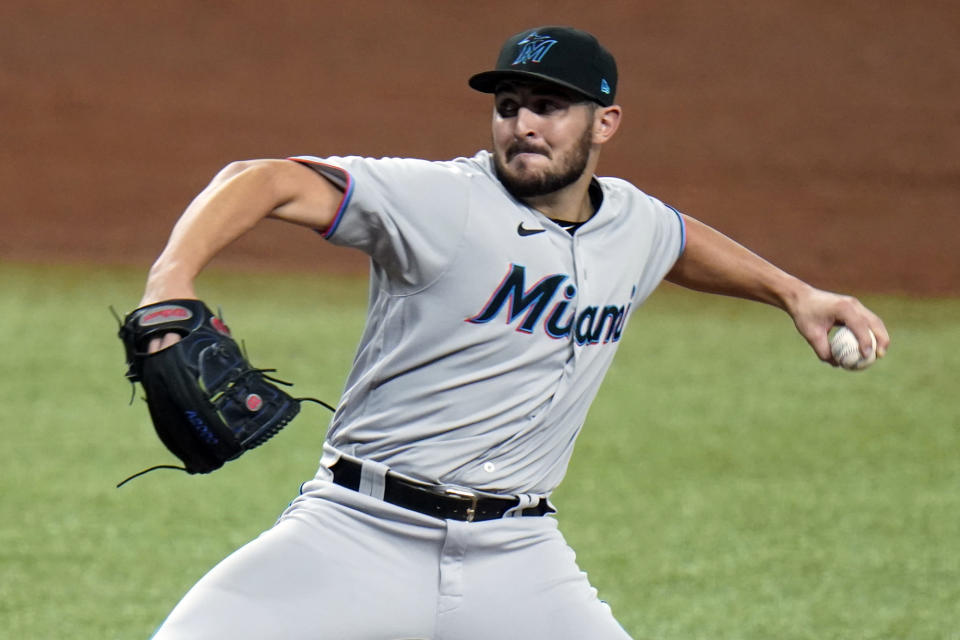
point(472, 497)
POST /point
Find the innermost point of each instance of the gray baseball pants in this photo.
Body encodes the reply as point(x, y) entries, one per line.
point(340, 565)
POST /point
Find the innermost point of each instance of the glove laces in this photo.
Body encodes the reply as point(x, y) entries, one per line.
point(184, 469)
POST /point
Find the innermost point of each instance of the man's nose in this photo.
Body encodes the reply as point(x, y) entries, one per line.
point(526, 123)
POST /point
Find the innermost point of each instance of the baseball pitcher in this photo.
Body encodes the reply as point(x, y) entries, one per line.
point(501, 285)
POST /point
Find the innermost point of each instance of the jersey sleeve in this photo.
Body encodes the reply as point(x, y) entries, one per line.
point(673, 230)
point(659, 238)
point(408, 215)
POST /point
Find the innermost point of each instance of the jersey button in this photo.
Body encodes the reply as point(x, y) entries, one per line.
point(489, 467)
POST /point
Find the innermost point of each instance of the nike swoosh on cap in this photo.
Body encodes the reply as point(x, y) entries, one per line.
point(523, 231)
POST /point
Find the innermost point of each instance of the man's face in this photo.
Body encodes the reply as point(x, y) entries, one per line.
point(542, 136)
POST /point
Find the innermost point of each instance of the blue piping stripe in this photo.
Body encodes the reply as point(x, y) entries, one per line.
point(344, 203)
point(347, 191)
point(683, 230)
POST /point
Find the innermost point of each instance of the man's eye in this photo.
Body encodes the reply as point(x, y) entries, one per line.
point(546, 107)
point(507, 109)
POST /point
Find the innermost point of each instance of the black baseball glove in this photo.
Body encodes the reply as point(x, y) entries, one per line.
point(207, 403)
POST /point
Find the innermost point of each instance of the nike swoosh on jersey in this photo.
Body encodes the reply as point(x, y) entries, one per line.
point(523, 231)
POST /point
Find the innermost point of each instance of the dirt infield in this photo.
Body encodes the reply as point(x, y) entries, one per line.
point(824, 135)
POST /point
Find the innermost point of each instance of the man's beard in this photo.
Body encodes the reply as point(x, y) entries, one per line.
point(548, 182)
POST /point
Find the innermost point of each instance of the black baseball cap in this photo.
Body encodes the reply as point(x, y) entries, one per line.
point(562, 55)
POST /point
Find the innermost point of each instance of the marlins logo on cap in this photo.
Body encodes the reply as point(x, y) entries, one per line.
point(533, 48)
point(562, 55)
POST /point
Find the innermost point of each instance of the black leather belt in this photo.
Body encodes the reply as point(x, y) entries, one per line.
point(437, 501)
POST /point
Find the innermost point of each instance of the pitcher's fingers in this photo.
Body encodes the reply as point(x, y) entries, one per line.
point(883, 337)
point(162, 342)
point(868, 320)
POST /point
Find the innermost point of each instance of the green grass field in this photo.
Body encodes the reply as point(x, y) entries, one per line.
point(727, 484)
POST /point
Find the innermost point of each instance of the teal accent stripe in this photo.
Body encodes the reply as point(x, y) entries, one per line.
point(683, 230)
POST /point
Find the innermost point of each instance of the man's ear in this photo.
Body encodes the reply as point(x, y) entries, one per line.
point(606, 120)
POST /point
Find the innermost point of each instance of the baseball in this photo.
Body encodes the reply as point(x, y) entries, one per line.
point(846, 350)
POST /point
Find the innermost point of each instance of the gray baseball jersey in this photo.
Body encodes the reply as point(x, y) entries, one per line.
point(488, 333)
point(490, 327)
